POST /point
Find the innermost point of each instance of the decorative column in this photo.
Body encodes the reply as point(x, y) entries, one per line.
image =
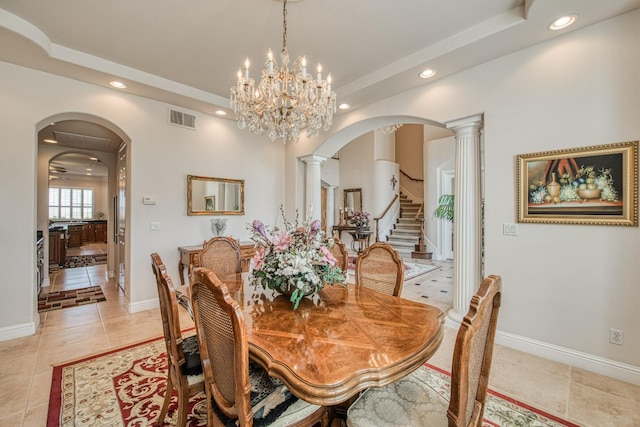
point(467, 225)
point(331, 209)
point(313, 194)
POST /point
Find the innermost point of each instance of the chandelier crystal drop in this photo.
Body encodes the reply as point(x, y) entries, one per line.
point(388, 130)
point(286, 100)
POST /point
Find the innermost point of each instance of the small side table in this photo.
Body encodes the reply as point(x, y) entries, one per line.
point(360, 240)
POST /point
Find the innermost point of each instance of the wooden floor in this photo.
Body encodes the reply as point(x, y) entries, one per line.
point(26, 363)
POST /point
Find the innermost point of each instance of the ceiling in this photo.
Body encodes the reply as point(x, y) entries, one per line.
point(187, 54)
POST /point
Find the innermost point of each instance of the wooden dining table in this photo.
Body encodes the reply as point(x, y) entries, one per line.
point(339, 341)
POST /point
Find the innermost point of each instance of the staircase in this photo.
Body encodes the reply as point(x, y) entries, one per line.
point(405, 234)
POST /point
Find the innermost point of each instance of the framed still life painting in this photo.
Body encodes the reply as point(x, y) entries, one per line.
point(587, 185)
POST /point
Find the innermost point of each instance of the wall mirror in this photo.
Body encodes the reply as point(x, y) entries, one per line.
point(214, 196)
point(352, 201)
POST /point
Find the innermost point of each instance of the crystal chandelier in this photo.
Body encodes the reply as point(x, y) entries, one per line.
point(286, 100)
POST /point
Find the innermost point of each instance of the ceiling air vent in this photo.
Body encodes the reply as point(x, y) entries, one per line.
point(179, 118)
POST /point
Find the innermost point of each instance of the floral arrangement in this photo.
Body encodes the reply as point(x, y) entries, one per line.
point(585, 178)
point(293, 260)
point(360, 219)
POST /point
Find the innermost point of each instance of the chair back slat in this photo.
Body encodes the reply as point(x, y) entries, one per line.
point(224, 347)
point(169, 314)
point(221, 255)
point(379, 267)
point(472, 355)
point(339, 252)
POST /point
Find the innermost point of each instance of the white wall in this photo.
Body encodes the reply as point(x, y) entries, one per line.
point(564, 285)
point(161, 158)
point(409, 154)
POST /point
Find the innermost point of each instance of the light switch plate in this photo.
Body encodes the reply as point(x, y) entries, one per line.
point(509, 229)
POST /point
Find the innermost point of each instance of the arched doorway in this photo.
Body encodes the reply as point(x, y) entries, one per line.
point(67, 143)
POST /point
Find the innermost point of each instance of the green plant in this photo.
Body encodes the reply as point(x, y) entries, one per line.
point(445, 207)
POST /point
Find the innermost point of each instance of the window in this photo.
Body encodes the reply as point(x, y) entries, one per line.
point(70, 203)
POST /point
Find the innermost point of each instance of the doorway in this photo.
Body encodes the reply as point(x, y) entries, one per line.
point(447, 186)
point(67, 144)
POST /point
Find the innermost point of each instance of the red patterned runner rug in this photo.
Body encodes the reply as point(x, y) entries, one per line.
point(122, 387)
point(126, 386)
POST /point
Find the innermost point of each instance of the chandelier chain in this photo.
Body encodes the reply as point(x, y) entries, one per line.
point(284, 26)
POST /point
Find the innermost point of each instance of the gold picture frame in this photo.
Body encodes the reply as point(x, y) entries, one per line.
point(595, 185)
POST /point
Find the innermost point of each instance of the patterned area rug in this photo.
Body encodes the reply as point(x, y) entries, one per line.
point(411, 269)
point(84, 261)
point(125, 387)
point(70, 298)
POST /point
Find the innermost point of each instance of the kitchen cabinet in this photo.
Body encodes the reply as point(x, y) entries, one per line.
point(88, 233)
point(57, 246)
point(75, 235)
point(100, 234)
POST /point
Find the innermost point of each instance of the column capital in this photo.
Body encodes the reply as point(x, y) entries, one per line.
point(471, 124)
point(313, 158)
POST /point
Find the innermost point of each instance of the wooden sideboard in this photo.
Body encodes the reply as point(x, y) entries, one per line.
point(338, 229)
point(189, 257)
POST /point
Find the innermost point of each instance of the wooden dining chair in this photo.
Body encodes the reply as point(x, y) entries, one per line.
point(339, 251)
point(183, 355)
point(221, 255)
point(379, 267)
point(412, 402)
point(236, 388)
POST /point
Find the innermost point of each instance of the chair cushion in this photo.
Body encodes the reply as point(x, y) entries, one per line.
point(193, 365)
point(410, 401)
point(272, 403)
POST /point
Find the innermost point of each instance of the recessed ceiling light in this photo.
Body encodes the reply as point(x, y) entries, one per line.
point(344, 106)
point(117, 84)
point(563, 22)
point(88, 173)
point(93, 158)
point(88, 169)
point(221, 113)
point(427, 74)
point(50, 141)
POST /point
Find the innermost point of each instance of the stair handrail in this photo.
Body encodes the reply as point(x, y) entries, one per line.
point(382, 216)
point(410, 177)
point(419, 212)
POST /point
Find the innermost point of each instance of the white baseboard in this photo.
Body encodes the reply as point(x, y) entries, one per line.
point(135, 307)
point(17, 331)
point(589, 362)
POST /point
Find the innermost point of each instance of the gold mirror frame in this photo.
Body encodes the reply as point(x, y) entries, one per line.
point(352, 201)
point(214, 196)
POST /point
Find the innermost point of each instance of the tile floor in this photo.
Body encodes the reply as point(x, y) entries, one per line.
point(26, 363)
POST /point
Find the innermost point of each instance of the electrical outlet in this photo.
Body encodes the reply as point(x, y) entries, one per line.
point(616, 336)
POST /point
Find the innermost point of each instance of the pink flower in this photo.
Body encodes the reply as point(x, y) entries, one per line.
point(282, 241)
point(258, 258)
point(328, 256)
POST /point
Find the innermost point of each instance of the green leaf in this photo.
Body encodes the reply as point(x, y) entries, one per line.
point(445, 207)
